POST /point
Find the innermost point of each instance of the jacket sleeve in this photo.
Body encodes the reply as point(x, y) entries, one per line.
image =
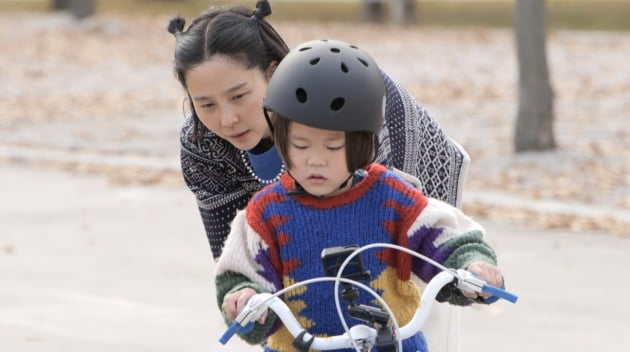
point(413, 142)
point(245, 263)
point(211, 171)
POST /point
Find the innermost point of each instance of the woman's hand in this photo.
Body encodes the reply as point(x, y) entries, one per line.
point(487, 272)
point(234, 302)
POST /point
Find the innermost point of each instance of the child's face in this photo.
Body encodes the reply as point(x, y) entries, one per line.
point(318, 159)
point(228, 97)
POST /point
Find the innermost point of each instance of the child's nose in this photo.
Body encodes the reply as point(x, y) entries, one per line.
point(316, 160)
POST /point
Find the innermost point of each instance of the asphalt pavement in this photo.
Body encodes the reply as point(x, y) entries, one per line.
point(86, 265)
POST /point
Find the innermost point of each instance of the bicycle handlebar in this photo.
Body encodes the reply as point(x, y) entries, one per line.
point(258, 304)
point(500, 293)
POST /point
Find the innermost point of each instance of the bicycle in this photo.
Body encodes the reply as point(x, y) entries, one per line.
point(385, 334)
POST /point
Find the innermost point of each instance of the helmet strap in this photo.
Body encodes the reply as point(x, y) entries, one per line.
point(298, 190)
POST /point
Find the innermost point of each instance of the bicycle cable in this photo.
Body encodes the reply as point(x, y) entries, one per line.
point(385, 305)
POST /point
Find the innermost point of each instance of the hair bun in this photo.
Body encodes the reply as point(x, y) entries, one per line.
point(176, 24)
point(263, 9)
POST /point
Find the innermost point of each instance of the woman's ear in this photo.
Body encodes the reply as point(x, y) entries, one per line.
point(271, 69)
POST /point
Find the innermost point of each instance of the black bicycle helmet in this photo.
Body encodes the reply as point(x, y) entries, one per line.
point(328, 84)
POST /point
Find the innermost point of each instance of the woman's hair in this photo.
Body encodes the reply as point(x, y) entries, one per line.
point(360, 145)
point(232, 31)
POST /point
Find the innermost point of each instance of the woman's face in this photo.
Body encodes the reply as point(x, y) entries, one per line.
point(318, 159)
point(228, 99)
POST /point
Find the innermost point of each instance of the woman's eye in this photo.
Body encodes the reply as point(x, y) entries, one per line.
point(207, 106)
point(239, 96)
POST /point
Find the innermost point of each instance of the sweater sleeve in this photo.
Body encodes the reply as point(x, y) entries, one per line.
point(220, 184)
point(446, 235)
point(245, 263)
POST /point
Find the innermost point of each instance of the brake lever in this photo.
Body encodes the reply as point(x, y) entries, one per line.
point(470, 282)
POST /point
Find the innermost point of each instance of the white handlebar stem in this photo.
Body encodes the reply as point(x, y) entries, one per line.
point(286, 315)
point(319, 343)
point(428, 299)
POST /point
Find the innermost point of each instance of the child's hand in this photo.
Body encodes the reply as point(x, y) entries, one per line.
point(235, 301)
point(487, 272)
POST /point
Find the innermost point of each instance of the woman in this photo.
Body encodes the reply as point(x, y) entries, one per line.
point(224, 61)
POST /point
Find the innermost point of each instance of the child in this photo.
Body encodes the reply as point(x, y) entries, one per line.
point(326, 100)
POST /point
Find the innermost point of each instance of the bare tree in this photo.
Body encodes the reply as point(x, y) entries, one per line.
point(79, 8)
point(534, 123)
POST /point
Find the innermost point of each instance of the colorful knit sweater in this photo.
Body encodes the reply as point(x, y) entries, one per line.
point(278, 239)
point(411, 141)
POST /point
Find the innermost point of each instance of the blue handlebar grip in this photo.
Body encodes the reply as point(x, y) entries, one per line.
point(495, 291)
point(227, 335)
point(234, 328)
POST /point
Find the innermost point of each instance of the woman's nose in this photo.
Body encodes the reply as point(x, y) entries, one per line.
point(229, 117)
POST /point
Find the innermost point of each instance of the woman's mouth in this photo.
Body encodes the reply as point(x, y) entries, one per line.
point(240, 135)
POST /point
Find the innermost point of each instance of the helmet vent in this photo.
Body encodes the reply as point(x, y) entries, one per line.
point(363, 62)
point(315, 61)
point(335, 50)
point(301, 95)
point(344, 68)
point(305, 48)
point(337, 104)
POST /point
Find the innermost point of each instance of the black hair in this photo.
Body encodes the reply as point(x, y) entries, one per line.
point(360, 146)
point(233, 31)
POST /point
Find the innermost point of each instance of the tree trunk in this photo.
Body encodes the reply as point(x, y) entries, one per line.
point(79, 8)
point(83, 8)
point(372, 11)
point(58, 5)
point(534, 122)
point(400, 12)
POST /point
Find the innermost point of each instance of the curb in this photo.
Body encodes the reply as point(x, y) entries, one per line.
point(111, 159)
point(118, 167)
point(547, 213)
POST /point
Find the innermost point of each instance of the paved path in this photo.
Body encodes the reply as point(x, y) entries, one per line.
point(88, 266)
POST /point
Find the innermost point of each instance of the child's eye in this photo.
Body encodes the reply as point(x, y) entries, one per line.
point(335, 148)
point(298, 146)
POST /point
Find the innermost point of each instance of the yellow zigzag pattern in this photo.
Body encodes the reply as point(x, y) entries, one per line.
point(282, 339)
point(403, 297)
